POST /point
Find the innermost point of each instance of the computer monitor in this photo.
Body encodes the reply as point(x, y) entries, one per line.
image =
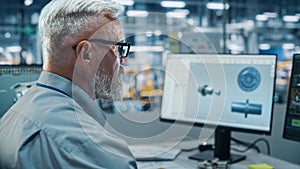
point(292, 118)
point(15, 81)
point(229, 92)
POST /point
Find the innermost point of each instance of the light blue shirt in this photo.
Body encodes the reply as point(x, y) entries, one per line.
point(57, 125)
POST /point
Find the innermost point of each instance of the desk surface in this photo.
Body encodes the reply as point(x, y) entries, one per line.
point(252, 157)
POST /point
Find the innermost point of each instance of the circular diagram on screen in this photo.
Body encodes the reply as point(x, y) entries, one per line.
point(249, 79)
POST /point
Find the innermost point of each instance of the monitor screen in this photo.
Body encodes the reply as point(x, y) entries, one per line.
point(15, 81)
point(229, 92)
point(233, 91)
point(292, 118)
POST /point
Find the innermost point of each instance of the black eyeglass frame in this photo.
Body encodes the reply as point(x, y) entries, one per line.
point(119, 44)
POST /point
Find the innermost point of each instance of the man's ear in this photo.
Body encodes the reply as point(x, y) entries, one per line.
point(82, 51)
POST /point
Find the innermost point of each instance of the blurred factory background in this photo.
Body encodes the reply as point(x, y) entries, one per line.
point(154, 27)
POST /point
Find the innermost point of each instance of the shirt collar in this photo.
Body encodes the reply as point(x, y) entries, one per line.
point(54, 80)
point(89, 105)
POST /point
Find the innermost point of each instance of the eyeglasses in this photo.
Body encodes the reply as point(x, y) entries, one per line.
point(123, 48)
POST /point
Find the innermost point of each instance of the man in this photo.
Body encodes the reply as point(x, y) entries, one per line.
point(57, 123)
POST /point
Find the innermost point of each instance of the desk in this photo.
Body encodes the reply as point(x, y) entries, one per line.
point(183, 162)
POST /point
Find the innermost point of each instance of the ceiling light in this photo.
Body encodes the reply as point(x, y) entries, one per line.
point(13, 49)
point(7, 35)
point(137, 13)
point(176, 14)
point(28, 2)
point(261, 17)
point(185, 11)
point(179, 35)
point(125, 2)
point(147, 49)
point(157, 33)
point(264, 46)
point(172, 4)
point(290, 18)
point(217, 6)
point(236, 47)
point(149, 33)
point(271, 14)
point(288, 46)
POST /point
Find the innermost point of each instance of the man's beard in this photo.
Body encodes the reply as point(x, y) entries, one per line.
point(109, 87)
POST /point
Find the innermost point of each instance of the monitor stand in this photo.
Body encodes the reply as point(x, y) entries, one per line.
point(221, 150)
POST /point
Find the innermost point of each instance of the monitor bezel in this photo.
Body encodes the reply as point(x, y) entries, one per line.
point(236, 129)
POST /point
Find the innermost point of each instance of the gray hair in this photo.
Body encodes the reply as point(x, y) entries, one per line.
point(61, 20)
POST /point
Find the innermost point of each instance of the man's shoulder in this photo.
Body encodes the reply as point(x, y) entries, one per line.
point(59, 117)
point(55, 115)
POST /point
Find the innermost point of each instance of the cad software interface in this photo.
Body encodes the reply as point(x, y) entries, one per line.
point(228, 90)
